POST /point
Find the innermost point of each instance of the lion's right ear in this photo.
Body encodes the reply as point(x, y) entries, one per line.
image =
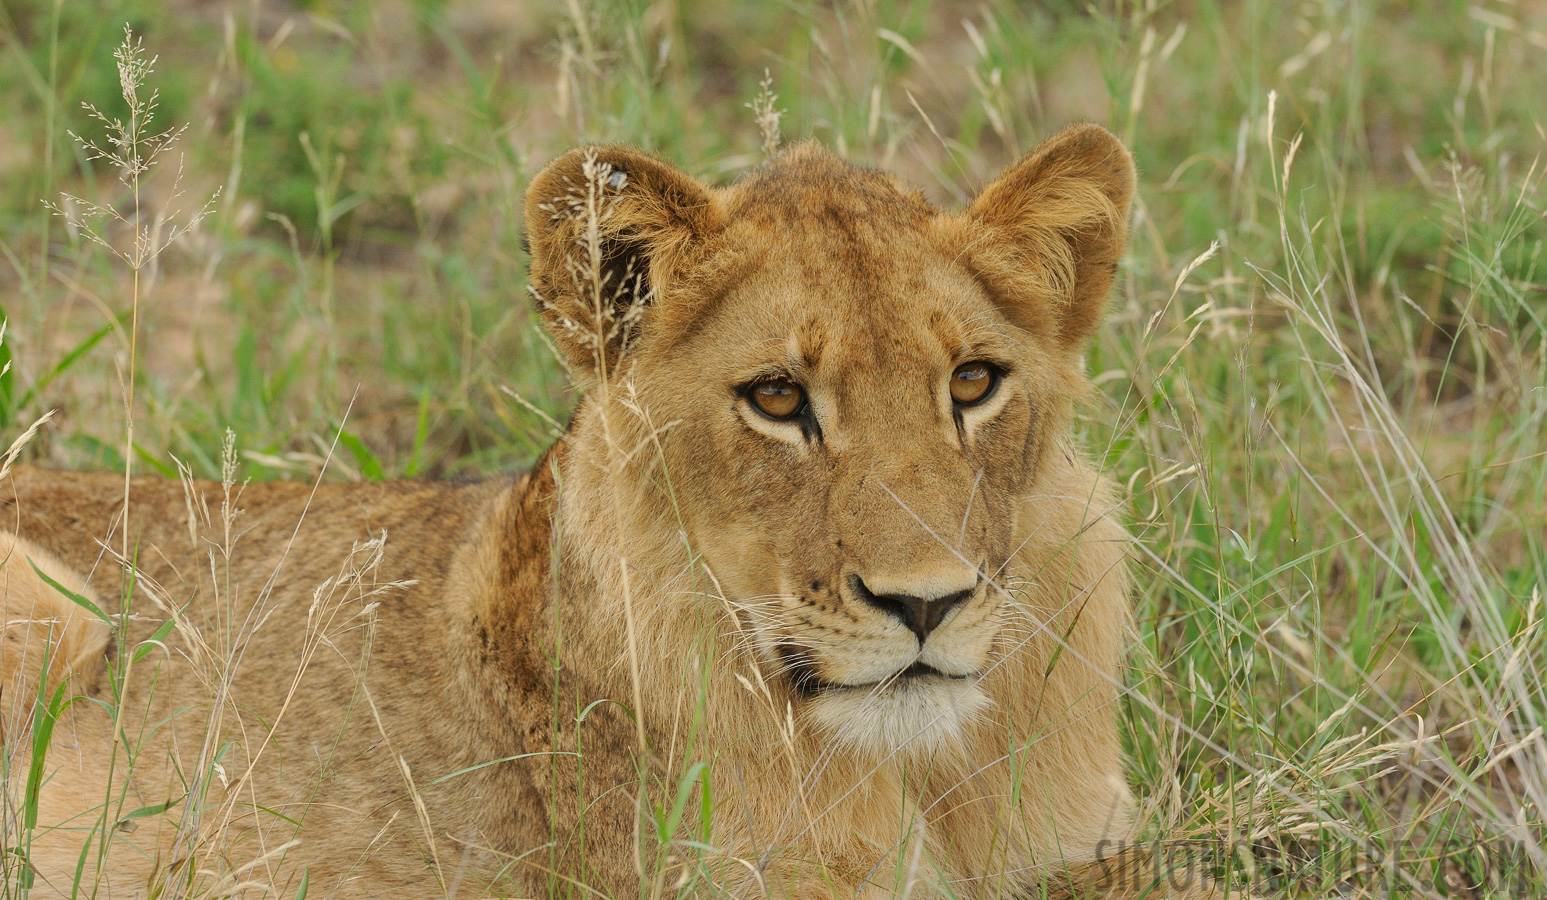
point(607, 228)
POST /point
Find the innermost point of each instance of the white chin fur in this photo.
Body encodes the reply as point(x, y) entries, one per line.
point(912, 715)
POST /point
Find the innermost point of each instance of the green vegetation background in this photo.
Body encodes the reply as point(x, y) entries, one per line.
point(1330, 429)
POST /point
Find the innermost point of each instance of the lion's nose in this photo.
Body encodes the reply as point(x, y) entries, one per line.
point(921, 614)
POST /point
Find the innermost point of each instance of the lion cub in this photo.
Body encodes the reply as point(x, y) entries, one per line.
point(815, 596)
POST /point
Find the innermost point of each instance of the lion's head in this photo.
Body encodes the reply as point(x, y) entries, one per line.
point(839, 396)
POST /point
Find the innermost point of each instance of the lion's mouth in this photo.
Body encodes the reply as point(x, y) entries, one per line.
point(809, 684)
point(924, 670)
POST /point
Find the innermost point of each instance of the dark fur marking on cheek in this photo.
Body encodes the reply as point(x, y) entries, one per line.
point(824, 628)
point(1030, 445)
point(801, 670)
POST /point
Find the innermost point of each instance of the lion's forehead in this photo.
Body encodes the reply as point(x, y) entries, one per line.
point(822, 320)
point(850, 272)
point(809, 184)
point(872, 340)
point(826, 289)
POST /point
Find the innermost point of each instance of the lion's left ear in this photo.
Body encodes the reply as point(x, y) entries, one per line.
point(608, 229)
point(1056, 223)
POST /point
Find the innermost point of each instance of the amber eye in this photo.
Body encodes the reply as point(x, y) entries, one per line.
point(971, 382)
point(778, 399)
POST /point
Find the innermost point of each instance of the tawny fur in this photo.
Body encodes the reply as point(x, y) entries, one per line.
point(724, 543)
point(49, 638)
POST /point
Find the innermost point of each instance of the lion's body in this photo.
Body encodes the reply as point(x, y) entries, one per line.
point(328, 766)
point(678, 555)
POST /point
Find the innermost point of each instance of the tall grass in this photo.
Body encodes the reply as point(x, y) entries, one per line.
point(1323, 383)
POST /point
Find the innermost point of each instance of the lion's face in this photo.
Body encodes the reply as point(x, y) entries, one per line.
point(859, 430)
point(854, 393)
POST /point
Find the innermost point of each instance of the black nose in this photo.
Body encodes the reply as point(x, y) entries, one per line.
point(921, 614)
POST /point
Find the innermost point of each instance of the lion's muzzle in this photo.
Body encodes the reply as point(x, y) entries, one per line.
point(921, 615)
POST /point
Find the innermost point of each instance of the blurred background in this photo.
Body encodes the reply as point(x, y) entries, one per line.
point(1323, 386)
point(370, 159)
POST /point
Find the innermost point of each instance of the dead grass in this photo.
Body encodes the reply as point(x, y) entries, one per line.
point(1330, 427)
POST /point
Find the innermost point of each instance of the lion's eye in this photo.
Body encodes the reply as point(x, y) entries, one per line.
point(972, 382)
point(778, 399)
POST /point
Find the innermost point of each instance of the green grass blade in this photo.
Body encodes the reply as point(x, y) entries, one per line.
point(421, 433)
point(155, 809)
point(370, 466)
point(75, 598)
point(70, 359)
point(155, 640)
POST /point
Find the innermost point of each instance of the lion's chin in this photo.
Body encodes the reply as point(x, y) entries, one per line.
point(913, 715)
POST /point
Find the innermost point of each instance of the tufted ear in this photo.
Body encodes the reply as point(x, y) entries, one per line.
point(607, 228)
point(1056, 223)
